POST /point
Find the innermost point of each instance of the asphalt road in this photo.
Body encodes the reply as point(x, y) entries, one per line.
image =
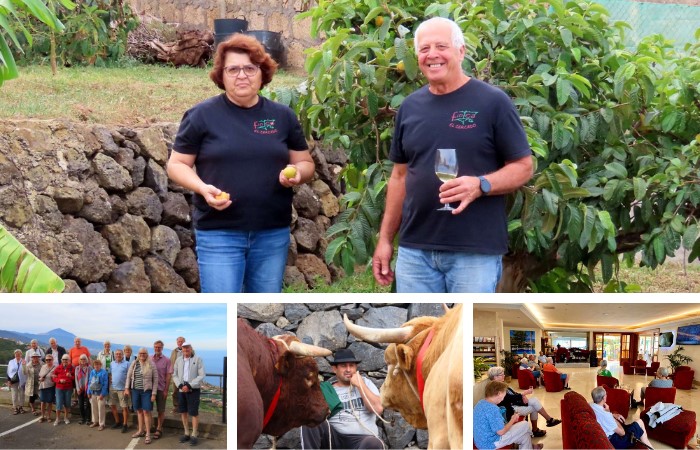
point(25, 431)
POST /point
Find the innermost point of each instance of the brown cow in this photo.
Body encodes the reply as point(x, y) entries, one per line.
point(442, 409)
point(262, 365)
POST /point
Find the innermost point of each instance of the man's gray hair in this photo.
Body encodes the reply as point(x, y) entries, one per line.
point(663, 371)
point(597, 394)
point(34, 341)
point(604, 363)
point(494, 372)
point(550, 360)
point(457, 35)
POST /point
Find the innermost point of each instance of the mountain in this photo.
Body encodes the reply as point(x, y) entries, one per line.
point(63, 337)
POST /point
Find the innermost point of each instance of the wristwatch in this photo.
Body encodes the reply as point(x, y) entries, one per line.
point(484, 185)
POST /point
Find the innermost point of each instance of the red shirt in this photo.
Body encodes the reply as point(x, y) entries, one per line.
point(63, 377)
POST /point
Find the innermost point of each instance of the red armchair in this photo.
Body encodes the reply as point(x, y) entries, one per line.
point(579, 427)
point(640, 367)
point(627, 368)
point(654, 367)
point(526, 379)
point(607, 381)
point(678, 431)
point(618, 400)
point(683, 377)
point(553, 382)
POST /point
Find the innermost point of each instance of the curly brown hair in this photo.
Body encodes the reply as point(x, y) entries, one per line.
point(248, 45)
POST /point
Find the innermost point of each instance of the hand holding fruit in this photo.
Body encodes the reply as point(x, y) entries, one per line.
point(215, 197)
point(290, 176)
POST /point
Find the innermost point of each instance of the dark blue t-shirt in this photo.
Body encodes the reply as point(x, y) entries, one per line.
point(241, 151)
point(481, 123)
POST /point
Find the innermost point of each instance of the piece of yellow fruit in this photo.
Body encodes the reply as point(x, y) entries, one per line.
point(289, 172)
point(379, 21)
point(223, 196)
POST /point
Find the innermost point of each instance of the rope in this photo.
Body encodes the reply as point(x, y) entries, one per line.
point(352, 411)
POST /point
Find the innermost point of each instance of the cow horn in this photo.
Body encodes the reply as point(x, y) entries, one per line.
point(396, 335)
point(445, 307)
point(301, 349)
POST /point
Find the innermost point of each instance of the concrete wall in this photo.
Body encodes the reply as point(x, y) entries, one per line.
point(277, 16)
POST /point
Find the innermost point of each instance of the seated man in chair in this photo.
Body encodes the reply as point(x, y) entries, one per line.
point(621, 435)
point(549, 367)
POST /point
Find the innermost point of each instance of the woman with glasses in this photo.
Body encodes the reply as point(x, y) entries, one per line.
point(47, 390)
point(63, 376)
point(16, 379)
point(249, 152)
point(82, 372)
point(97, 385)
point(31, 372)
point(141, 385)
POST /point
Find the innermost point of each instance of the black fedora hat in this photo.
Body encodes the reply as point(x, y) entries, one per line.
point(344, 356)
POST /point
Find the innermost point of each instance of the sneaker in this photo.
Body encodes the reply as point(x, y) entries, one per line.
point(184, 438)
point(67, 421)
point(116, 425)
point(125, 429)
point(193, 441)
point(56, 422)
point(553, 422)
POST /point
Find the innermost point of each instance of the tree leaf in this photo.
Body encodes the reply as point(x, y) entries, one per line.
point(640, 188)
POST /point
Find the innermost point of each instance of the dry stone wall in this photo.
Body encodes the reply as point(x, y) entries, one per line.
point(277, 16)
point(95, 204)
point(322, 324)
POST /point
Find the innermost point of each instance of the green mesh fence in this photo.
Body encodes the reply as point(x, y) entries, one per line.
point(674, 21)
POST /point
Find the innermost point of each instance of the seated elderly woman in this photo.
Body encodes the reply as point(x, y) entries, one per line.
point(490, 428)
point(662, 380)
point(603, 371)
point(520, 404)
point(619, 434)
point(549, 367)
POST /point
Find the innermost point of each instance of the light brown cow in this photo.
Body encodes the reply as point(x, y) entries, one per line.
point(442, 409)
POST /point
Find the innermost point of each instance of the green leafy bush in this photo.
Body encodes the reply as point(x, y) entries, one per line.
point(614, 131)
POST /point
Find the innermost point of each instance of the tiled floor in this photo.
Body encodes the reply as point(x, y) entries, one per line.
point(583, 381)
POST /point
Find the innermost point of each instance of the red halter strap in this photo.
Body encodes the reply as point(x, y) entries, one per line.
point(271, 409)
point(419, 365)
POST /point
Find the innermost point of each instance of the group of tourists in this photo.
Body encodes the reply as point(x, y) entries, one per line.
point(113, 378)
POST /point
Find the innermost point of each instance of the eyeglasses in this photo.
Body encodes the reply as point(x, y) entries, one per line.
point(143, 354)
point(249, 70)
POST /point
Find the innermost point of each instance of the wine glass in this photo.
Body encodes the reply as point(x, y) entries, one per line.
point(446, 169)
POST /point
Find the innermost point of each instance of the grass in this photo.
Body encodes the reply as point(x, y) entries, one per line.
point(362, 281)
point(128, 96)
point(670, 277)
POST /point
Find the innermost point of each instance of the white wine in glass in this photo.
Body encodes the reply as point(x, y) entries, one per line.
point(446, 169)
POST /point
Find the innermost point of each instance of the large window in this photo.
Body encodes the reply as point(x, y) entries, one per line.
point(570, 340)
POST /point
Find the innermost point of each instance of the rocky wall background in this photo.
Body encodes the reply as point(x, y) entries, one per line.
point(95, 204)
point(322, 324)
point(275, 15)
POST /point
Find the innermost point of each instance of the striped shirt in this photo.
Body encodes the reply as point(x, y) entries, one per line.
point(138, 376)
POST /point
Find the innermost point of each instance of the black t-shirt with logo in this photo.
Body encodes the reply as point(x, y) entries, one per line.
point(241, 151)
point(481, 123)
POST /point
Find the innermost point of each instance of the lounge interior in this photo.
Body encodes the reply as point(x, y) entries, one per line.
point(632, 337)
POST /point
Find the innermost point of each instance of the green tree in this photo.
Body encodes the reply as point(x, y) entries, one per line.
point(614, 131)
point(11, 14)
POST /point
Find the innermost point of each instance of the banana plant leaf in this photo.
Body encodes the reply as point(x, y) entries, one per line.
point(21, 271)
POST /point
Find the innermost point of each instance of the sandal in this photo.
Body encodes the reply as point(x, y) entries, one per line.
point(138, 435)
point(148, 439)
point(22, 410)
point(15, 412)
point(36, 413)
point(157, 434)
point(539, 433)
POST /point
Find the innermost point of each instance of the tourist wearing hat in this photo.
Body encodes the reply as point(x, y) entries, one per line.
point(355, 425)
point(31, 372)
point(188, 376)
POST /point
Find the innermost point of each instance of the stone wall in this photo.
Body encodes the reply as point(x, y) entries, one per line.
point(95, 204)
point(322, 324)
point(277, 16)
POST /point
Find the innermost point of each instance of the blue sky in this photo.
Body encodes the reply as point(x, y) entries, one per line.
point(203, 324)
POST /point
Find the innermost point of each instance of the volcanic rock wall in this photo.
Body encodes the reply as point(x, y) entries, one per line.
point(322, 324)
point(95, 204)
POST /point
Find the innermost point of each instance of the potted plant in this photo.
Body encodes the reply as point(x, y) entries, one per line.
point(507, 363)
point(480, 366)
point(677, 359)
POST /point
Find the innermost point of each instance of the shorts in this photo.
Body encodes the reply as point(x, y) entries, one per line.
point(189, 402)
point(141, 400)
point(117, 398)
point(47, 395)
point(160, 401)
point(63, 397)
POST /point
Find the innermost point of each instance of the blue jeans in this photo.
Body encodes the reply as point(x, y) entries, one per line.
point(141, 400)
point(242, 261)
point(444, 271)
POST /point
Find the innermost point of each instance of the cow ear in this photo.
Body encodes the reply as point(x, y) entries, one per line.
point(405, 356)
point(284, 363)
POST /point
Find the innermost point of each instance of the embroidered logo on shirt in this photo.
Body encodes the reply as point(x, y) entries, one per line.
point(463, 120)
point(264, 126)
